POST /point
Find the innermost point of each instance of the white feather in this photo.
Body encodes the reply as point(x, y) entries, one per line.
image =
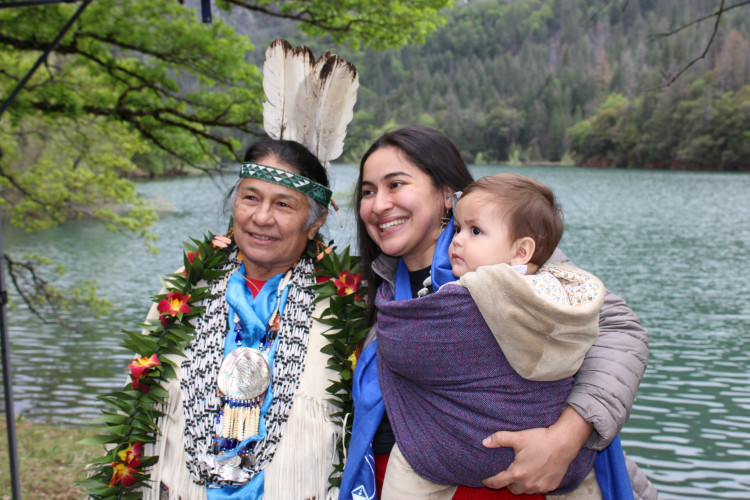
point(284, 72)
point(308, 101)
point(336, 93)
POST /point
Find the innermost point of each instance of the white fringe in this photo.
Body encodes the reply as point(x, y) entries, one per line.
point(305, 455)
point(170, 448)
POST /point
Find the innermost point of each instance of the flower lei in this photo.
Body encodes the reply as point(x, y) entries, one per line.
point(347, 317)
point(131, 415)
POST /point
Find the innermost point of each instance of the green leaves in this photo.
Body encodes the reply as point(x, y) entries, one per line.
point(347, 316)
point(131, 414)
point(359, 23)
point(691, 127)
point(131, 80)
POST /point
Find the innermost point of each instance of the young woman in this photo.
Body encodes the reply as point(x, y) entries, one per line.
point(403, 199)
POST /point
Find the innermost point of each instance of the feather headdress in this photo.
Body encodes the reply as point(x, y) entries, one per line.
point(308, 101)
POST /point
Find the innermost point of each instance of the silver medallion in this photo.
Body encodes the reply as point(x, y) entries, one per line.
point(234, 461)
point(244, 374)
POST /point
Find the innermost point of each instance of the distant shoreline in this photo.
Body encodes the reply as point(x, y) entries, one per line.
point(596, 162)
point(602, 162)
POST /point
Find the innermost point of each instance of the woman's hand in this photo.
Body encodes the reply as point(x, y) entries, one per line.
point(542, 455)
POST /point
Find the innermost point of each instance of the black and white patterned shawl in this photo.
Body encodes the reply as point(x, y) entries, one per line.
point(205, 354)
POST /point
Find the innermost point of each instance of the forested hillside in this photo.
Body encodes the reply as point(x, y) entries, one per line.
point(528, 80)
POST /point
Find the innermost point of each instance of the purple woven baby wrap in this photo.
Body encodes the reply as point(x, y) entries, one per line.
point(447, 385)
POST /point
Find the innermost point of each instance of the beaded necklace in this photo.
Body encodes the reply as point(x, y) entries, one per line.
point(243, 380)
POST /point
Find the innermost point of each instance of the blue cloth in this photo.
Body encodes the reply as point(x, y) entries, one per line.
point(358, 480)
point(359, 474)
point(254, 314)
point(612, 473)
point(441, 269)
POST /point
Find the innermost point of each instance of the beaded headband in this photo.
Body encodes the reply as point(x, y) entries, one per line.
point(308, 187)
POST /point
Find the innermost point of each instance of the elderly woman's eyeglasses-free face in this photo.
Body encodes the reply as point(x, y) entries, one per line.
point(269, 225)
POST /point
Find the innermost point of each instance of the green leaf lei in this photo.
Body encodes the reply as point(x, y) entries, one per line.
point(129, 421)
point(347, 317)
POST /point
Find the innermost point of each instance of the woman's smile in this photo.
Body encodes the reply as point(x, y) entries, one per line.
point(401, 207)
point(270, 224)
point(387, 226)
point(262, 237)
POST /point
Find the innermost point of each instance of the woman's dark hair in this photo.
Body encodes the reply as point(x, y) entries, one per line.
point(297, 156)
point(291, 153)
point(434, 154)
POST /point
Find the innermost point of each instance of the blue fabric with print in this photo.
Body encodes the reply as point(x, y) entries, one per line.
point(358, 480)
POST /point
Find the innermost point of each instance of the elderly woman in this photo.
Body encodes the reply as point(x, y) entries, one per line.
point(247, 415)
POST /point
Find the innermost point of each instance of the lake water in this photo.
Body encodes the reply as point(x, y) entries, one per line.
point(675, 245)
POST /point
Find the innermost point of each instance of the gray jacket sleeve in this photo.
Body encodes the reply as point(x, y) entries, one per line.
point(612, 370)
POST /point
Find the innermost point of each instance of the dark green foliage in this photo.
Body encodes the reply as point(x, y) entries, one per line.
point(347, 316)
point(695, 127)
point(508, 80)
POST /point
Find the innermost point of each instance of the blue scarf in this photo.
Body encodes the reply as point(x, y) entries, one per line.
point(359, 472)
point(254, 314)
point(612, 473)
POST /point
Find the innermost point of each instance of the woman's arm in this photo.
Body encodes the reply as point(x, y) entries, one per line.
point(602, 398)
point(542, 455)
point(612, 370)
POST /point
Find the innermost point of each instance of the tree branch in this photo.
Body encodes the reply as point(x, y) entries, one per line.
point(188, 62)
point(717, 14)
point(306, 17)
point(29, 195)
point(40, 287)
point(302, 16)
point(151, 137)
point(670, 79)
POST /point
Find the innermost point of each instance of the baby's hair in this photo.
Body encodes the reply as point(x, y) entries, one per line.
point(528, 207)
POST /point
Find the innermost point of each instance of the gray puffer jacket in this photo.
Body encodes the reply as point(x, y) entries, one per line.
point(612, 370)
point(605, 385)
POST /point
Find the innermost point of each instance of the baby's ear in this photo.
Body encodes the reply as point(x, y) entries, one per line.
point(523, 250)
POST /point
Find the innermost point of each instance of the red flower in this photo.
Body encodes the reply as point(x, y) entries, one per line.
point(123, 473)
point(138, 369)
point(174, 303)
point(137, 384)
point(132, 454)
point(140, 366)
point(348, 284)
point(191, 258)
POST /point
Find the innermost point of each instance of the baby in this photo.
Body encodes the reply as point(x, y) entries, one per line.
point(446, 384)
